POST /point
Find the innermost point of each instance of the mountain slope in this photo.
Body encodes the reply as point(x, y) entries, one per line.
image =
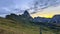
point(12, 27)
point(23, 24)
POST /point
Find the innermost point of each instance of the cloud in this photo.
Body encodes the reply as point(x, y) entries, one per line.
point(14, 6)
point(4, 6)
point(47, 3)
point(4, 11)
point(6, 3)
point(43, 4)
point(48, 12)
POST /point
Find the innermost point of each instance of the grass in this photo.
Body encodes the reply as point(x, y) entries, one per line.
point(13, 27)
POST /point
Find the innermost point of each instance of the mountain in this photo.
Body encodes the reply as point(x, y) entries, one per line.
point(24, 18)
point(18, 24)
point(55, 19)
point(27, 16)
point(25, 24)
point(41, 19)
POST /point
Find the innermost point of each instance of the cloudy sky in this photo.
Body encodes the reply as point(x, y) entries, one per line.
point(47, 8)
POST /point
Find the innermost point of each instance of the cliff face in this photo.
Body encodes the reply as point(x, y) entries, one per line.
point(27, 16)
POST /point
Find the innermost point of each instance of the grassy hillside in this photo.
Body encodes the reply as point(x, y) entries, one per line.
point(12, 27)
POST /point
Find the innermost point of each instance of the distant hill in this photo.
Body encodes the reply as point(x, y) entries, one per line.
point(56, 19)
point(24, 17)
point(41, 19)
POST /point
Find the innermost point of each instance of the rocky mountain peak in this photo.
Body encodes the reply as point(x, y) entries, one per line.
point(26, 14)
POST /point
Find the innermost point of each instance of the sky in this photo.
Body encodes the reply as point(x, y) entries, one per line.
point(47, 8)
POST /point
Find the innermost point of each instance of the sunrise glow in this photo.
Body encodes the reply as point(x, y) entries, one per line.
point(48, 12)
